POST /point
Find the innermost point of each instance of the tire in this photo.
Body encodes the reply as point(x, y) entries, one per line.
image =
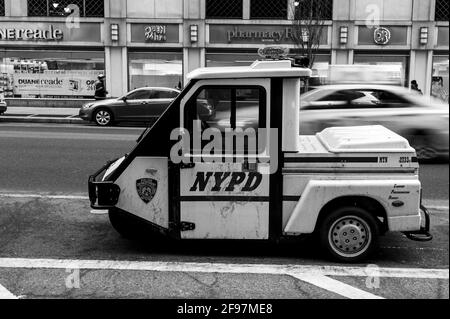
point(424, 147)
point(103, 117)
point(349, 234)
point(125, 225)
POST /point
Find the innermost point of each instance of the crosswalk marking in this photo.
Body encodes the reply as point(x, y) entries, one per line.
point(6, 294)
point(316, 275)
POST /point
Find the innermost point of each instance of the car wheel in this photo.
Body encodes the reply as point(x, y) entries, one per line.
point(125, 225)
point(349, 234)
point(424, 147)
point(103, 117)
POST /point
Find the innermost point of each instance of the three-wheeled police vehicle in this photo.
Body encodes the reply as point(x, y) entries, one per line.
point(226, 160)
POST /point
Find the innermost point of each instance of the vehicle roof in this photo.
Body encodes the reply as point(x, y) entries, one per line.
point(259, 69)
point(362, 87)
point(155, 88)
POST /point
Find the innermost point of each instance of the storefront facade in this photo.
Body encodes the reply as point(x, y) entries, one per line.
point(139, 43)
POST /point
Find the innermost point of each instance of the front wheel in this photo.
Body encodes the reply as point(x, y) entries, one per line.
point(349, 234)
point(103, 117)
point(124, 224)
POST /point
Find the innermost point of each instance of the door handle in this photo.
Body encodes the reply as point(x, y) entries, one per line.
point(249, 167)
point(143, 103)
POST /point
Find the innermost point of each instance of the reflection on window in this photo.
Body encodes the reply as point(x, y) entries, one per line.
point(2, 7)
point(229, 110)
point(139, 95)
point(58, 74)
point(230, 9)
point(268, 9)
point(155, 70)
point(63, 8)
point(440, 80)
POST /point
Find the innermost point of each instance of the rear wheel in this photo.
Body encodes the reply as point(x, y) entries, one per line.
point(103, 117)
point(349, 234)
point(424, 149)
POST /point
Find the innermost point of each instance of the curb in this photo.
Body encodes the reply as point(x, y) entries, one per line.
point(62, 120)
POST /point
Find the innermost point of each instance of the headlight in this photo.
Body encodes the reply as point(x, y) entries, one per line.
point(88, 106)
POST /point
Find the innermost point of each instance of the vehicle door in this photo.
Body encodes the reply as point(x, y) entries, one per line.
point(157, 103)
point(224, 191)
point(134, 105)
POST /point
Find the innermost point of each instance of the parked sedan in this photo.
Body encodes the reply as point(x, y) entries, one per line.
point(140, 105)
point(422, 120)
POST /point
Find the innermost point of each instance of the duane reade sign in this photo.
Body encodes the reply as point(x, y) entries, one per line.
point(49, 34)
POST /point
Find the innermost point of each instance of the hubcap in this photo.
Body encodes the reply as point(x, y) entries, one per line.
point(103, 117)
point(350, 236)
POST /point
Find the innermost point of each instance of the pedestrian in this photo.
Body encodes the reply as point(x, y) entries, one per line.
point(100, 88)
point(415, 86)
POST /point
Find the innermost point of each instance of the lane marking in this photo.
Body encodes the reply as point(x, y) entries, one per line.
point(6, 294)
point(335, 286)
point(70, 197)
point(69, 135)
point(318, 270)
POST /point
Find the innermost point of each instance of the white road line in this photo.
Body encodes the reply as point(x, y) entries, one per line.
point(318, 270)
point(6, 294)
point(6, 195)
point(335, 286)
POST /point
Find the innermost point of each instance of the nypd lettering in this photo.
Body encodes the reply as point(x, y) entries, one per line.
point(227, 181)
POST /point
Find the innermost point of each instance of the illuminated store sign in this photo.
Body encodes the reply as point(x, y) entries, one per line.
point(49, 34)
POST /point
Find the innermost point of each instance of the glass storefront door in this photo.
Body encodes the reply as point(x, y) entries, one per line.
point(155, 69)
point(397, 66)
point(440, 80)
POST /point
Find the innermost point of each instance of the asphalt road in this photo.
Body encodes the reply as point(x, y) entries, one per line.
point(56, 247)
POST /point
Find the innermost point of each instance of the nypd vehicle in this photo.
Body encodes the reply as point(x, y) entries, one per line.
point(242, 171)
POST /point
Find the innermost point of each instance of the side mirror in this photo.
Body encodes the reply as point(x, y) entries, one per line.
point(124, 98)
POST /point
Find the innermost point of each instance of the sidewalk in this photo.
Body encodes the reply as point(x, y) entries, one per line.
point(41, 115)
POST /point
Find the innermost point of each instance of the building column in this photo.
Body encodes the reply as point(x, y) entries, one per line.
point(116, 68)
point(421, 68)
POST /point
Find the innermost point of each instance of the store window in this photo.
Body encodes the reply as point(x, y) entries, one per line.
point(58, 8)
point(160, 69)
point(313, 9)
point(442, 10)
point(440, 80)
point(50, 74)
point(219, 9)
point(268, 9)
point(2, 8)
point(395, 67)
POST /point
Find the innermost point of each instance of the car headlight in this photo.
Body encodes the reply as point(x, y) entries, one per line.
point(88, 106)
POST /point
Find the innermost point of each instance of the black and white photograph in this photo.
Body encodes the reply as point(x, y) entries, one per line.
point(224, 158)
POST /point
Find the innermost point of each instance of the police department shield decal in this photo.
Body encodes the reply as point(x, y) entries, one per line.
point(146, 189)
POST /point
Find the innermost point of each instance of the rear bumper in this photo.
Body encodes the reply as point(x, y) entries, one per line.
point(423, 234)
point(102, 194)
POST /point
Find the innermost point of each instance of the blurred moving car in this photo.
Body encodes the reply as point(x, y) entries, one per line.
point(422, 120)
point(3, 106)
point(140, 105)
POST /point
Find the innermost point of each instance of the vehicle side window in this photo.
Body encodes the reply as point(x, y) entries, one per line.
point(389, 99)
point(139, 95)
point(236, 108)
point(163, 94)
